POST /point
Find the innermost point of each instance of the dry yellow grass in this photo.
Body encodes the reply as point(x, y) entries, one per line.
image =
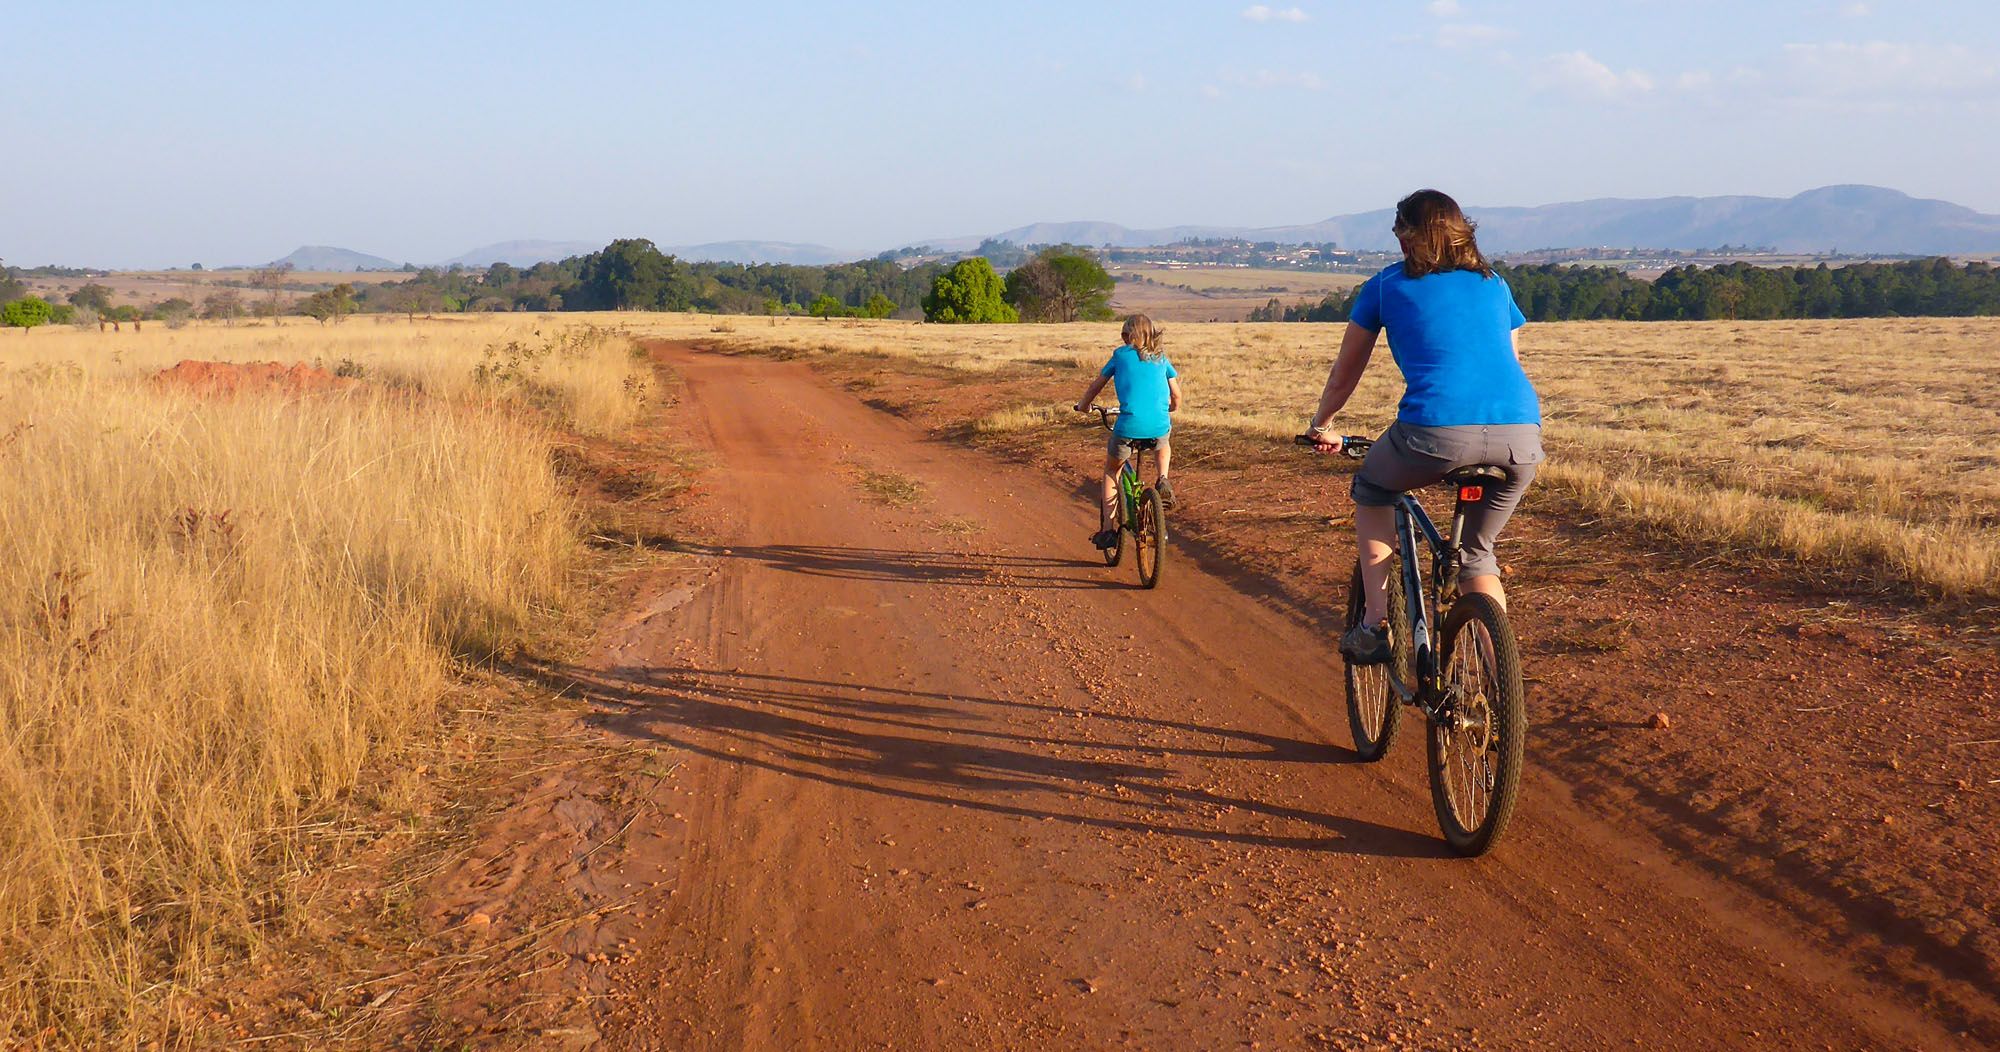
point(577, 365)
point(1863, 445)
point(214, 613)
point(1293, 284)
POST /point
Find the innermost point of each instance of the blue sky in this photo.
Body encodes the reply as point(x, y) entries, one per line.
point(151, 134)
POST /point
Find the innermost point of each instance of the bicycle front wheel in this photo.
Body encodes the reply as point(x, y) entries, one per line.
point(1476, 751)
point(1150, 539)
point(1373, 713)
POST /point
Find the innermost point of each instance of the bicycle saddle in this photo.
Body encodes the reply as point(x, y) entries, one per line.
point(1476, 475)
point(1143, 443)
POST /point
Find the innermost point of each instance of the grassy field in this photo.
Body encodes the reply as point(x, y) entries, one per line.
point(215, 613)
point(1284, 284)
point(1860, 446)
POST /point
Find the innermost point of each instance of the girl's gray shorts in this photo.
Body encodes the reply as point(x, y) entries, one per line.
point(1412, 456)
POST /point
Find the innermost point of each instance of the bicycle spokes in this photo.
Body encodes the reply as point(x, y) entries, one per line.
point(1466, 735)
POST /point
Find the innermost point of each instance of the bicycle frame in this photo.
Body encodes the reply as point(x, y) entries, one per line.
point(1412, 521)
point(1131, 488)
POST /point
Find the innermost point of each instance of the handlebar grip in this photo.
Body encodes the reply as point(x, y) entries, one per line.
point(1304, 440)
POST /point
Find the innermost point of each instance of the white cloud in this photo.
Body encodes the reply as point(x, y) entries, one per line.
point(1263, 13)
point(1854, 11)
point(1577, 72)
point(1446, 8)
point(1269, 78)
point(1136, 82)
point(1457, 35)
point(1884, 72)
point(1210, 91)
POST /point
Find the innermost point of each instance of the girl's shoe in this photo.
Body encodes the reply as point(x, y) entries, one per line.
point(1166, 491)
point(1365, 645)
point(1105, 540)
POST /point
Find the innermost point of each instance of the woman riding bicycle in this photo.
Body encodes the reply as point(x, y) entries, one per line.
point(1466, 400)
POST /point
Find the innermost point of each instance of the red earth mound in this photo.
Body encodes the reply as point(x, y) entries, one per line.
point(228, 379)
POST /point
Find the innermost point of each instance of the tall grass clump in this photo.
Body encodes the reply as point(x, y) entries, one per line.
point(212, 615)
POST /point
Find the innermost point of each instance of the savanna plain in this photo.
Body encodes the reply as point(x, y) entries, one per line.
point(238, 630)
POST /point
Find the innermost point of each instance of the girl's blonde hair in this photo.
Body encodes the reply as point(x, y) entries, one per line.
point(1437, 236)
point(1142, 335)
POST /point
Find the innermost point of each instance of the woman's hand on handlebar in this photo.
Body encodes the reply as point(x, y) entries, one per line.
point(1321, 445)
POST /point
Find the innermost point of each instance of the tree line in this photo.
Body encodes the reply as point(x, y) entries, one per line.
point(1734, 291)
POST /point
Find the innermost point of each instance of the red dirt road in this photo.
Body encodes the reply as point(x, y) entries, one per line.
point(933, 778)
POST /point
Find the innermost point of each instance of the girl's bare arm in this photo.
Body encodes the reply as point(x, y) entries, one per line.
point(1173, 394)
point(1090, 393)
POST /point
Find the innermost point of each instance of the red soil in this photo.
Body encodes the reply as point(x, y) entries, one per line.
point(229, 379)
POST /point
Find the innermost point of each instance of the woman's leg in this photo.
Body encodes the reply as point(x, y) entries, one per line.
point(1166, 453)
point(1374, 535)
point(1107, 505)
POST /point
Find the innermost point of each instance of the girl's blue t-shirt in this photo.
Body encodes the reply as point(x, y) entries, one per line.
point(1142, 393)
point(1451, 334)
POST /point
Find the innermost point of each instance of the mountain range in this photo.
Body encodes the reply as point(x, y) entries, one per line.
point(1855, 219)
point(326, 258)
point(1859, 219)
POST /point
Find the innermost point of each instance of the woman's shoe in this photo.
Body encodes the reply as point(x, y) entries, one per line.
point(1365, 645)
point(1166, 491)
point(1105, 540)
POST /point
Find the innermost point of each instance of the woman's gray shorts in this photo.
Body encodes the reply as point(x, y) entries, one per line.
point(1412, 456)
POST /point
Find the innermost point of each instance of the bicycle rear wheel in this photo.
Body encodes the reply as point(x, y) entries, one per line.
point(1150, 539)
point(1373, 713)
point(1477, 751)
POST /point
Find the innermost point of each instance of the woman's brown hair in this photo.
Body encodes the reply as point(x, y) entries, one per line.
point(1142, 335)
point(1436, 236)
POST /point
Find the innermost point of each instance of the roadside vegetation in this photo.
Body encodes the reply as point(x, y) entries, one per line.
point(1859, 447)
point(216, 612)
point(1733, 292)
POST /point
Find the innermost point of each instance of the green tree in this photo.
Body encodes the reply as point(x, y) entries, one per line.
point(825, 306)
point(26, 313)
point(91, 297)
point(1061, 284)
point(878, 306)
point(632, 274)
point(969, 292)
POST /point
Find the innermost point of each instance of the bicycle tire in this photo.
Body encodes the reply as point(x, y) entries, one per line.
point(1117, 550)
point(1501, 721)
point(1402, 635)
point(1149, 547)
point(1373, 713)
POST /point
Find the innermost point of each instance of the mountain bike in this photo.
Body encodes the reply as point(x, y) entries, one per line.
point(1469, 689)
point(1141, 512)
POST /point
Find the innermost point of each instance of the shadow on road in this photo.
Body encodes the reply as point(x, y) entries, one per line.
point(976, 570)
point(951, 750)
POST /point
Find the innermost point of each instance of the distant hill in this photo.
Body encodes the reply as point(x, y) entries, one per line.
point(522, 253)
point(1863, 219)
point(761, 252)
point(326, 257)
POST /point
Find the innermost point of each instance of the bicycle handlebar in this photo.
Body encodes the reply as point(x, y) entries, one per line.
point(1104, 415)
point(1355, 446)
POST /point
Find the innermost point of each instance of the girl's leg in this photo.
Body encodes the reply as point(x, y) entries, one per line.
point(1107, 505)
point(1166, 452)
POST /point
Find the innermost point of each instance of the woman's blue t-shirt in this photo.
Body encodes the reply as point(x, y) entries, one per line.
point(1451, 335)
point(1142, 393)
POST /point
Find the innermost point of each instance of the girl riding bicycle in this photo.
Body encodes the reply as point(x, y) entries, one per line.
point(1466, 399)
point(1148, 391)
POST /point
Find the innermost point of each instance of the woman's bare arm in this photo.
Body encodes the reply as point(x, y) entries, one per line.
point(1357, 345)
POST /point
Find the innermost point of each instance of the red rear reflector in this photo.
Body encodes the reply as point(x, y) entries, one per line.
point(1472, 493)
